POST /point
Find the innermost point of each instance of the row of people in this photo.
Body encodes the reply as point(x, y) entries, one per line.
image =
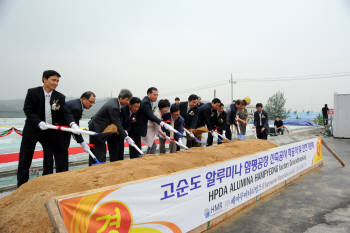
point(44, 106)
point(137, 121)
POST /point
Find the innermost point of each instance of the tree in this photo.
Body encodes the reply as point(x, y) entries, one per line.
point(276, 106)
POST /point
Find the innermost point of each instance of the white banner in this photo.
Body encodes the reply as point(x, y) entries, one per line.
point(185, 200)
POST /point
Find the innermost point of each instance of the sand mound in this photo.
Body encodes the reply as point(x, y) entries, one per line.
point(24, 211)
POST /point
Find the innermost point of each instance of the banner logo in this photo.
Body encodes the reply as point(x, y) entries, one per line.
point(112, 217)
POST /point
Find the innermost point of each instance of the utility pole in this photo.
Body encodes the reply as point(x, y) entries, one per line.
point(231, 81)
point(214, 93)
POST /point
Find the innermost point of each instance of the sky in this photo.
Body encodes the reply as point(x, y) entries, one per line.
point(181, 47)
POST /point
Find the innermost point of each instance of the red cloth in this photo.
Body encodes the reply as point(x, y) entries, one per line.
point(13, 157)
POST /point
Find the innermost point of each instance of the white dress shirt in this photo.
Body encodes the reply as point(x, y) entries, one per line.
point(48, 116)
point(260, 117)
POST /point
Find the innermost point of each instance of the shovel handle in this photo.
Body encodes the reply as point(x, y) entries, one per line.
point(67, 129)
point(93, 156)
point(137, 148)
point(177, 143)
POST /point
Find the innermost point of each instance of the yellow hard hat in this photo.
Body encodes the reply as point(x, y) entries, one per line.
point(247, 99)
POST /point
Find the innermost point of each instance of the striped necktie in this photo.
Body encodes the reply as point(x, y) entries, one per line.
point(48, 117)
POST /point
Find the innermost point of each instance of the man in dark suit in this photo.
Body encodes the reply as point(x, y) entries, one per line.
point(219, 123)
point(43, 105)
point(325, 114)
point(261, 122)
point(189, 111)
point(207, 112)
point(109, 113)
point(231, 117)
point(145, 113)
point(177, 122)
point(73, 111)
point(130, 124)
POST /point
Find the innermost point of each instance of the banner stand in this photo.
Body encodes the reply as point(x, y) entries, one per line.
point(55, 216)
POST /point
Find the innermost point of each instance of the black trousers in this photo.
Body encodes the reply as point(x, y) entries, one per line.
point(48, 161)
point(53, 143)
point(190, 142)
point(261, 135)
point(228, 132)
point(325, 120)
point(210, 137)
point(132, 151)
point(115, 147)
point(281, 131)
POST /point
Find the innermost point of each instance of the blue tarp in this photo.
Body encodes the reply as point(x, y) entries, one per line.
point(301, 122)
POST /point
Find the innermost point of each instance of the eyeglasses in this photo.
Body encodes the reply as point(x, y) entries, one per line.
point(91, 102)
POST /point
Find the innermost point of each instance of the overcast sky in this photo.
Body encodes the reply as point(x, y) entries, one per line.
point(181, 47)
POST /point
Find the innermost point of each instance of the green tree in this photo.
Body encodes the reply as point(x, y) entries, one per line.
point(276, 106)
point(319, 119)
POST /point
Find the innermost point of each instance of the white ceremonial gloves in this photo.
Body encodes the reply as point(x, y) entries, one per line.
point(166, 126)
point(75, 128)
point(42, 125)
point(85, 146)
point(180, 141)
point(214, 134)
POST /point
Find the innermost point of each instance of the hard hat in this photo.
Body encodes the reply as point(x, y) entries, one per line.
point(247, 99)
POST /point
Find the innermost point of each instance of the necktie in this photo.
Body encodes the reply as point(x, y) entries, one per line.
point(48, 117)
point(171, 132)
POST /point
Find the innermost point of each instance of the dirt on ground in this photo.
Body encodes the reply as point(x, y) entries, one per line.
point(24, 211)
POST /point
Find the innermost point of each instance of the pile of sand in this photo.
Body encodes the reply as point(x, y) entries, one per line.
point(24, 211)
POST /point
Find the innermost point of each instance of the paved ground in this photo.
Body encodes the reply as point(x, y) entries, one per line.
point(318, 202)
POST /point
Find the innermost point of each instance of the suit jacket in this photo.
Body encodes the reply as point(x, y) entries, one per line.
point(109, 113)
point(190, 116)
point(130, 121)
point(205, 116)
point(73, 112)
point(145, 114)
point(264, 120)
point(178, 124)
point(221, 121)
point(231, 115)
point(34, 107)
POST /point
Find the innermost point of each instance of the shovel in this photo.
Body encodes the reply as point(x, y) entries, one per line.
point(94, 158)
point(239, 135)
point(194, 137)
point(133, 144)
point(112, 128)
point(223, 138)
point(170, 128)
point(177, 143)
point(216, 135)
